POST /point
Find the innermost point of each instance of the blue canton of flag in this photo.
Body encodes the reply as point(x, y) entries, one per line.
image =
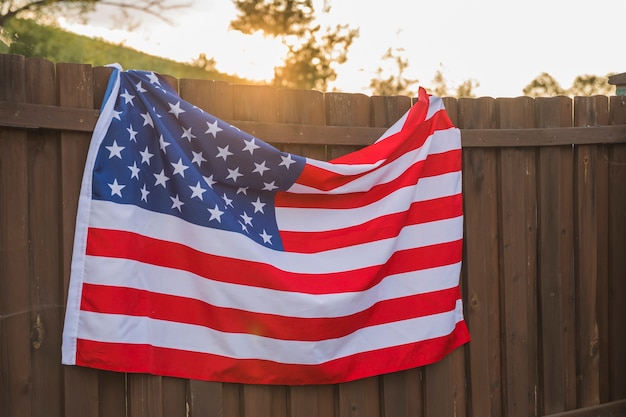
point(165, 155)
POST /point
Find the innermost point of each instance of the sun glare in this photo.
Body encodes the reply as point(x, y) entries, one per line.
point(249, 56)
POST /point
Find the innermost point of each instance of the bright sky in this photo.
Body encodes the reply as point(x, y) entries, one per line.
point(501, 44)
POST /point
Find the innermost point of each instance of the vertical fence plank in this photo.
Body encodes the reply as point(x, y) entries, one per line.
point(74, 83)
point(214, 97)
point(592, 249)
point(402, 394)
point(482, 284)
point(305, 107)
point(344, 109)
point(359, 398)
point(145, 396)
point(401, 391)
point(617, 266)
point(15, 380)
point(174, 397)
point(444, 381)
point(556, 243)
point(258, 103)
point(111, 394)
point(214, 399)
point(155, 395)
point(444, 386)
point(302, 107)
point(111, 385)
point(519, 248)
point(44, 210)
point(211, 399)
point(312, 401)
point(385, 111)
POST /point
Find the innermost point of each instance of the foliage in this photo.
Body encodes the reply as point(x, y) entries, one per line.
point(41, 9)
point(273, 18)
point(313, 51)
point(395, 84)
point(589, 85)
point(440, 87)
point(545, 85)
point(311, 64)
point(25, 37)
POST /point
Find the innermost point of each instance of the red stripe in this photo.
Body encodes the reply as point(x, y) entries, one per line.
point(185, 364)
point(436, 164)
point(388, 150)
point(142, 303)
point(383, 227)
point(127, 245)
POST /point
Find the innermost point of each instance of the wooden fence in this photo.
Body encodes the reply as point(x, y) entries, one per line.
point(544, 272)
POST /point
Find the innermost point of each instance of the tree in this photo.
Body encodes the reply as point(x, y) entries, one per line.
point(10, 9)
point(207, 64)
point(395, 84)
point(313, 52)
point(589, 85)
point(544, 85)
point(440, 88)
point(439, 85)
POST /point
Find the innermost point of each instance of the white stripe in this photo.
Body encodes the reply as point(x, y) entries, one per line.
point(439, 142)
point(315, 220)
point(344, 169)
point(434, 105)
point(142, 330)
point(110, 215)
point(133, 274)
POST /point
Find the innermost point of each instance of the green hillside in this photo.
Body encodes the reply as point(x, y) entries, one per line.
point(25, 37)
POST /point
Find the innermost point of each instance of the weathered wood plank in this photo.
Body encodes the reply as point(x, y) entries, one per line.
point(111, 385)
point(519, 268)
point(481, 260)
point(402, 394)
point(301, 107)
point(304, 106)
point(75, 89)
point(214, 97)
point(312, 401)
point(556, 244)
point(591, 248)
point(213, 399)
point(44, 249)
point(385, 111)
point(347, 110)
point(16, 394)
point(145, 396)
point(35, 116)
point(359, 398)
point(617, 266)
point(111, 394)
point(612, 409)
point(174, 393)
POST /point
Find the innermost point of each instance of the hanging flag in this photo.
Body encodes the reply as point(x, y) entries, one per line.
point(203, 252)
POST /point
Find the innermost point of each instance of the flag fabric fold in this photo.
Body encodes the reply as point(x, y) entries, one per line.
point(203, 252)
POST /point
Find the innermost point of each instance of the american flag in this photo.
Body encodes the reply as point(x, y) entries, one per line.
point(203, 252)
